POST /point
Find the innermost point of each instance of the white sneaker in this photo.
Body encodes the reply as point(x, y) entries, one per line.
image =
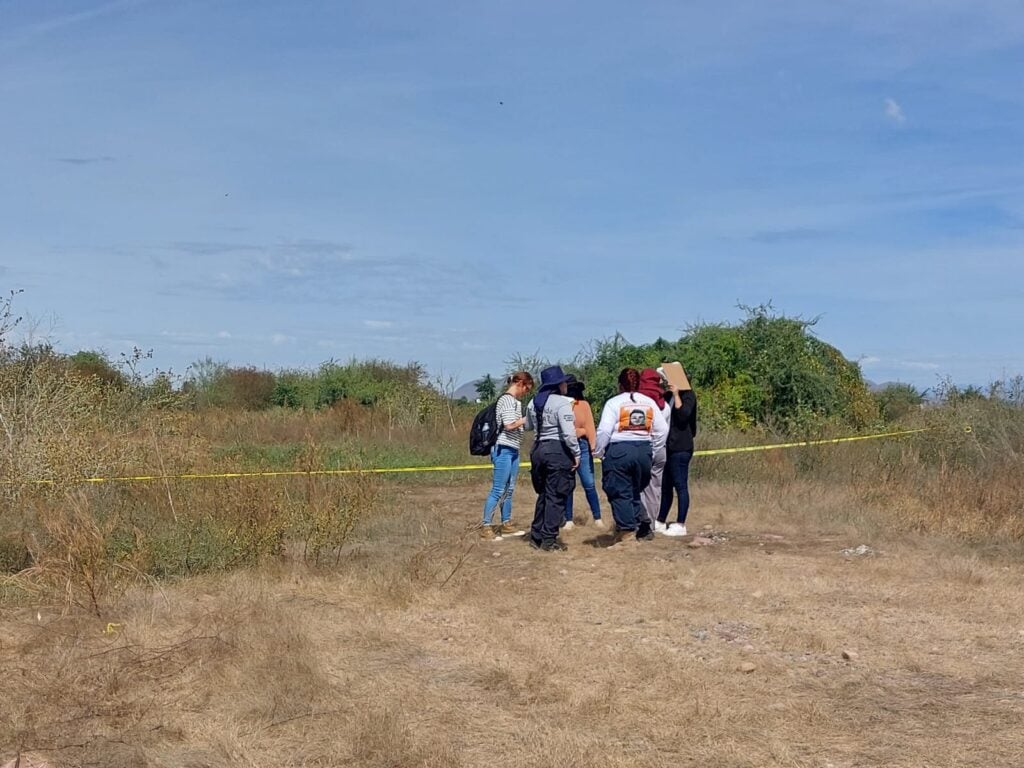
point(569, 525)
point(659, 527)
point(600, 524)
point(675, 529)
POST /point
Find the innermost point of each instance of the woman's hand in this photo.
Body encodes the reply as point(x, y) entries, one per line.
point(517, 424)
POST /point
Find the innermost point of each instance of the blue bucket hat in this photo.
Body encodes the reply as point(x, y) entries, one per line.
point(551, 377)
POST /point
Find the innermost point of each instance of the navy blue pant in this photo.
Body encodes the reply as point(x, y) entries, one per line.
point(625, 472)
point(554, 480)
point(676, 478)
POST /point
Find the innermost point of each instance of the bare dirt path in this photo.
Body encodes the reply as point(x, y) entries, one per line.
point(428, 646)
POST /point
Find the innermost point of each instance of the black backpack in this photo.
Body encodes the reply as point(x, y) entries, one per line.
point(485, 430)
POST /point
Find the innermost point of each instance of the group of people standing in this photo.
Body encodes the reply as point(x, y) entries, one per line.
point(645, 440)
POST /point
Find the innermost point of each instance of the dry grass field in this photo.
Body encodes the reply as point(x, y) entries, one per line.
point(426, 646)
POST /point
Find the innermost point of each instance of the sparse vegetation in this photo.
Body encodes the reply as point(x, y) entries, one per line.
point(325, 620)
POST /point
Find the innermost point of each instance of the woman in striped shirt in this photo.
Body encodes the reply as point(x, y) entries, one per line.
point(505, 455)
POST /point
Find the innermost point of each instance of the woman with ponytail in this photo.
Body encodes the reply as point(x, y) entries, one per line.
point(505, 456)
point(631, 431)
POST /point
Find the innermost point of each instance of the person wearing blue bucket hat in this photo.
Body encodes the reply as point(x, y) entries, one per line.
point(554, 458)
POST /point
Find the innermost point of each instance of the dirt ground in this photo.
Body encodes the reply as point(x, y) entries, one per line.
point(430, 647)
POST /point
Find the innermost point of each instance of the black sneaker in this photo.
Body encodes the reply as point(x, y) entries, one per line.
point(535, 544)
point(554, 545)
point(644, 532)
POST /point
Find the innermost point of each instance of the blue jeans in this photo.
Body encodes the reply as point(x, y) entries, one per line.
point(506, 469)
point(677, 476)
point(586, 473)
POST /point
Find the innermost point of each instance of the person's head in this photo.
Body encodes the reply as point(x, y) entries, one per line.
point(651, 385)
point(575, 389)
point(552, 379)
point(629, 380)
point(520, 384)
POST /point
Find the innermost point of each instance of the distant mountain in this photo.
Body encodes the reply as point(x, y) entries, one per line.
point(467, 391)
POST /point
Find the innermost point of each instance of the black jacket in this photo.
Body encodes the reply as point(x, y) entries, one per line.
point(682, 425)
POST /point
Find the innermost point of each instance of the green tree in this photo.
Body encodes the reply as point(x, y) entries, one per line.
point(93, 364)
point(766, 369)
point(487, 388)
point(897, 400)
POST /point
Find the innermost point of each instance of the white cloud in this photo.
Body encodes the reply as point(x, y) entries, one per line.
point(279, 339)
point(223, 335)
point(378, 324)
point(894, 112)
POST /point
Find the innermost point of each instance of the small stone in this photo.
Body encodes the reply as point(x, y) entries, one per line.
point(933, 650)
point(564, 572)
point(707, 528)
point(748, 648)
point(700, 541)
point(850, 655)
point(758, 595)
point(747, 667)
point(495, 554)
point(861, 551)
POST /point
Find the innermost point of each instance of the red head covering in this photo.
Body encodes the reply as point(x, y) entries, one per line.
point(650, 385)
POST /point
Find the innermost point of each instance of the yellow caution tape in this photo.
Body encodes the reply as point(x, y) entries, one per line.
point(461, 467)
point(750, 448)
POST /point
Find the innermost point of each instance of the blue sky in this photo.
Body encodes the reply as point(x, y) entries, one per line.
point(279, 183)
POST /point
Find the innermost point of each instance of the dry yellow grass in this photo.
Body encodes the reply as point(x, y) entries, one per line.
point(429, 647)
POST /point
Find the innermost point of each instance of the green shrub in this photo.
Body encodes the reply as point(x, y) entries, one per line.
point(766, 370)
point(895, 401)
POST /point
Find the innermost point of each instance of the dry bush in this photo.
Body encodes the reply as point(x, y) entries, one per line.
point(89, 544)
point(964, 476)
